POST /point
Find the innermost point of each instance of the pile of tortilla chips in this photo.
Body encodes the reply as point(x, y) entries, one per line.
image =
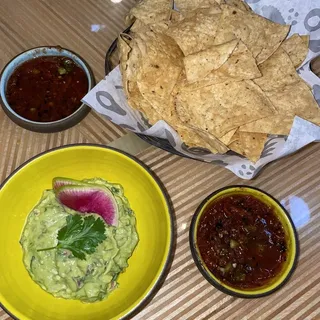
point(222, 76)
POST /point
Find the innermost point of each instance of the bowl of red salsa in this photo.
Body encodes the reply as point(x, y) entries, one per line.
point(41, 89)
point(244, 242)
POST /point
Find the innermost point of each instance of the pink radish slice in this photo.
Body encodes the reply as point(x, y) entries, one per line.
point(88, 199)
point(60, 181)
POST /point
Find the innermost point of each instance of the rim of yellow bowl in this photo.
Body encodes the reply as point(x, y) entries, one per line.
point(168, 260)
point(282, 278)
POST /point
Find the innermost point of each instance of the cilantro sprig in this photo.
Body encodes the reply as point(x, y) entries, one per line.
point(81, 235)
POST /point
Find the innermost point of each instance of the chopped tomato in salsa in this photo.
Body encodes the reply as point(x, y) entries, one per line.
point(47, 89)
point(241, 241)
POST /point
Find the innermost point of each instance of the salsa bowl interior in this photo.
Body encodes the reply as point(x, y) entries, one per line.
point(290, 235)
point(21, 296)
point(45, 51)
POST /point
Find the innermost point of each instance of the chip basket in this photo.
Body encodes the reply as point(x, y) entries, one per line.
point(111, 61)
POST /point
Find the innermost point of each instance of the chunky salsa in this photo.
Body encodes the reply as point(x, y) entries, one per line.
point(241, 241)
point(47, 89)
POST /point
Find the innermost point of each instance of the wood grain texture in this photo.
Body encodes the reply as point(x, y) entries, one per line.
point(295, 181)
point(86, 27)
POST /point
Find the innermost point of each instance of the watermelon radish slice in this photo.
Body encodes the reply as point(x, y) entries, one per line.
point(90, 199)
point(59, 182)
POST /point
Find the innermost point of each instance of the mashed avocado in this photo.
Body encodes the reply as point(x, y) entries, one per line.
point(58, 271)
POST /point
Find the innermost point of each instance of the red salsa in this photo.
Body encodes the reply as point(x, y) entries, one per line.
point(241, 241)
point(47, 89)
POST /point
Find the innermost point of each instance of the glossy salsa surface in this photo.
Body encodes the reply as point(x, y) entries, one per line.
point(46, 89)
point(241, 241)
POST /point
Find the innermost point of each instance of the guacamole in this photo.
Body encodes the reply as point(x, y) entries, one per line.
point(58, 271)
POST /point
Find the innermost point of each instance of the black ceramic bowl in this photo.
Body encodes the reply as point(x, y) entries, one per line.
point(45, 127)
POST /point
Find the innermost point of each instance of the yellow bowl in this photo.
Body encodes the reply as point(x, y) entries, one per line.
point(22, 297)
point(290, 234)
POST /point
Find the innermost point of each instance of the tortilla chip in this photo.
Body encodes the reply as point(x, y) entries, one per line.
point(176, 16)
point(179, 117)
point(234, 137)
point(236, 147)
point(151, 11)
point(220, 108)
point(240, 66)
point(277, 72)
point(139, 26)
point(221, 76)
point(160, 66)
point(252, 144)
point(289, 94)
point(276, 124)
point(186, 6)
point(213, 141)
point(249, 144)
point(297, 48)
point(228, 137)
point(195, 33)
point(206, 7)
point(192, 139)
point(315, 120)
point(138, 102)
point(261, 36)
point(295, 98)
point(198, 65)
point(240, 4)
point(235, 144)
point(124, 50)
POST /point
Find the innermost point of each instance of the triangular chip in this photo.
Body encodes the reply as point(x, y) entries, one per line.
point(297, 48)
point(195, 33)
point(124, 50)
point(160, 68)
point(206, 11)
point(138, 102)
point(220, 108)
point(187, 6)
point(277, 124)
point(261, 36)
point(181, 122)
point(249, 144)
point(228, 137)
point(199, 64)
point(289, 94)
point(252, 144)
point(240, 4)
point(176, 16)
point(139, 26)
point(234, 137)
point(315, 120)
point(296, 99)
point(192, 139)
point(132, 60)
point(240, 66)
point(277, 72)
point(151, 11)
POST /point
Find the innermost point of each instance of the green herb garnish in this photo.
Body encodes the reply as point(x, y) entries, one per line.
point(81, 235)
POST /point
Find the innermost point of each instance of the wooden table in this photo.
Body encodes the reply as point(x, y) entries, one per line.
point(88, 27)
